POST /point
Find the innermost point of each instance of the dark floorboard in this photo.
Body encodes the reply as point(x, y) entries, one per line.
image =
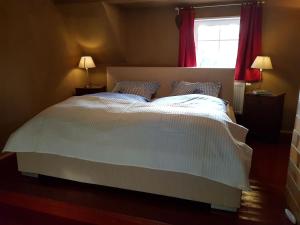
point(25, 200)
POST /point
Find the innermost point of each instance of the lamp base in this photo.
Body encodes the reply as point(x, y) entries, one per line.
point(262, 92)
point(88, 85)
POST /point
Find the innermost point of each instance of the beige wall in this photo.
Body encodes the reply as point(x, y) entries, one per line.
point(36, 59)
point(151, 37)
point(281, 36)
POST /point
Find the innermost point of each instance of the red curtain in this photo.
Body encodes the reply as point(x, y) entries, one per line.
point(249, 42)
point(187, 49)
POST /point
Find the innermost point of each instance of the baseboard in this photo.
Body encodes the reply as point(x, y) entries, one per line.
point(27, 174)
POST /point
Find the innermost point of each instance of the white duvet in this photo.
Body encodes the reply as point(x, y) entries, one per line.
point(190, 134)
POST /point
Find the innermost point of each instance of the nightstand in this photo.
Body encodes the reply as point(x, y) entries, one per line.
point(263, 115)
point(89, 90)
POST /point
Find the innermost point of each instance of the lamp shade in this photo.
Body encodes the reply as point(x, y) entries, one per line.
point(86, 62)
point(262, 62)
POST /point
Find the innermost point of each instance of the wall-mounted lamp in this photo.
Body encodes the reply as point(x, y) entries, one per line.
point(87, 62)
point(262, 63)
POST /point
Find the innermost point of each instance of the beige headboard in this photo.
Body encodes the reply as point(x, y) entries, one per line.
point(166, 75)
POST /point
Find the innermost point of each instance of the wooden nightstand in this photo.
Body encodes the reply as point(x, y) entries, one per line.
point(263, 115)
point(89, 90)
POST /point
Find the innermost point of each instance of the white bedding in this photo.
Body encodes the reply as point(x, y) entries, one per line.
point(189, 134)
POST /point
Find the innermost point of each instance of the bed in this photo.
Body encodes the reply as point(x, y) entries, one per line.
point(126, 140)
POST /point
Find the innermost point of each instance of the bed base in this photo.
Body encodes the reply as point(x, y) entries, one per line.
point(229, 209)
point(165, 183)
point(27, 174)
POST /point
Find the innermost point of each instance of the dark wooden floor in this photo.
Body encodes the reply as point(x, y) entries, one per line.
point(25, 200)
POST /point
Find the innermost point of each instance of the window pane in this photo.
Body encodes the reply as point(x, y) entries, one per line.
point(208, 32)
point(217, 42)
point(206, 58)
point(229, 32)
point(228, 54)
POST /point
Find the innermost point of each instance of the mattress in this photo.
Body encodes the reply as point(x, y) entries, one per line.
point(189, 134)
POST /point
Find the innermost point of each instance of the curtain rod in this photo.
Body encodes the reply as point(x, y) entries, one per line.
point(220, 5)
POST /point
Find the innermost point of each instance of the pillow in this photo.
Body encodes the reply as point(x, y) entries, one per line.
point(139, 91)
point(206, 88)
point(142, 88)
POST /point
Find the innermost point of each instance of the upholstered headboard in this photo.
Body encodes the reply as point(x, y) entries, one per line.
point(166, 75)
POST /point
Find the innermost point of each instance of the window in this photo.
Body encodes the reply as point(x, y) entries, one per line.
point(217, 42)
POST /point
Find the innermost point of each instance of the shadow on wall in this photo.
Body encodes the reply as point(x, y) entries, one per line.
point(96, 28)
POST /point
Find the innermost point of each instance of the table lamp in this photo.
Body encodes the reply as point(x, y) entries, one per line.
point(87, 62)
point(262, 63)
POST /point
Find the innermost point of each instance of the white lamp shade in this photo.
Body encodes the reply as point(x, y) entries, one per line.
point(86, 62)
point(262, 62)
